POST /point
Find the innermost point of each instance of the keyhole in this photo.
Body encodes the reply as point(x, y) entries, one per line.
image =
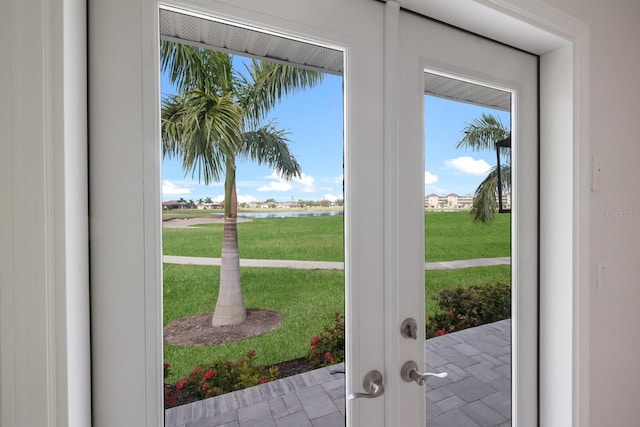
point(409, 328)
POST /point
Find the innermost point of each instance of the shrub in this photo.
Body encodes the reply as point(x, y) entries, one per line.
point(328, 347)
point(464, 308)
point(218, 378)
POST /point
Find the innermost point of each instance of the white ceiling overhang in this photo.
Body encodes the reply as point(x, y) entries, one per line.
point(241, 40)
point(183, 27)
point(493, 19)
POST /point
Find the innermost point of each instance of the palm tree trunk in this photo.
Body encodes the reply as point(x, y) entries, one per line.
point(230, 305)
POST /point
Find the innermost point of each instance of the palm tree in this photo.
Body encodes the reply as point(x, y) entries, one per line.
point(216, 118)
point(482, 134)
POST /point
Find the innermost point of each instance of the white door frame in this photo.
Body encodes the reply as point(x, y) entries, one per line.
point(562, 42)
point(564, 207)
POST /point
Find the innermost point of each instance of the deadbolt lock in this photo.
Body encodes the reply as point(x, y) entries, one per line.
point(409, 328)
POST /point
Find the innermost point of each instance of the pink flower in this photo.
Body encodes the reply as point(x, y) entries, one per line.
point(314, 341)
point(240, 360)
point(229, 363)
point(180, 385)
point(263, 381)
point(441, 332)
point(328, 356)
point(167, 365)
point(195, 370)
point(209, 374)
point(251, 353)
point(205, 386)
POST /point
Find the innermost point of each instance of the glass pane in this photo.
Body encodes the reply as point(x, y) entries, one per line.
point(468, 250)
point(277, 245)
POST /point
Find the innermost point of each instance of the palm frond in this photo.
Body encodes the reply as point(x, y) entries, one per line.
point(191, 67)
point(270, 82)
point(268, 145)
point(484, 200)
point(201, 128)
point(483, 133)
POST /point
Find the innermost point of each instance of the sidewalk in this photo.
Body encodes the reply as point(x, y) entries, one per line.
point(327, 265)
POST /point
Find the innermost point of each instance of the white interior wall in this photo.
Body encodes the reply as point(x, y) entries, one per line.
point(33, 282)
point(614, 211)
point(613, 214)
point(44, 328)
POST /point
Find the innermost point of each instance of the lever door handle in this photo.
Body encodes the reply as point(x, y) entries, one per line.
point(409, 372)
point(372, 385)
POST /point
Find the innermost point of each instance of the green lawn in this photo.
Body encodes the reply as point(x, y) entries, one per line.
point(448, 236)
point(302, 238)
point(306, 299)
point(452, 235)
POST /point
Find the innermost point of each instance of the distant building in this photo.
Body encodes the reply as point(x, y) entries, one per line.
point(455, 201)
point(431, 201)
point(465, 201)
point(173, 204)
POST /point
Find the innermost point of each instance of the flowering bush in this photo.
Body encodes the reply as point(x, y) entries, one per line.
point(218, 378)
point(328, 347)
point(464, 308)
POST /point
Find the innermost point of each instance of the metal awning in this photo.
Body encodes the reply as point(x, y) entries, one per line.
point(209, 33)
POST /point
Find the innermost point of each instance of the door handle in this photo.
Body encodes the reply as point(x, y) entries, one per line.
point(409, 372)
point(372, 385)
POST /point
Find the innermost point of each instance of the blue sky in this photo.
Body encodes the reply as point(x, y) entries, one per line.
point(447, 169)
point(313, 122)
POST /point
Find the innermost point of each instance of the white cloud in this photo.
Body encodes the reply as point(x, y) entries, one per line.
point(276, 186)
point(241, 198)
point(170, 188)
point(246, 199)
point(339, 179)
point(304, 183)
point(331, 197)
point(307, 182)
point(469, 165)
point(430, 178)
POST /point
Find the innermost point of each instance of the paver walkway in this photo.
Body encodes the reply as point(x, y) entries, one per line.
point(441, 265)
point(477, 391)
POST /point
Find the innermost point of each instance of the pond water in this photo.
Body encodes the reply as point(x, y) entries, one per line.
point(292, 214)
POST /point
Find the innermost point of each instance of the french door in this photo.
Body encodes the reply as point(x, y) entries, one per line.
point(386, 53)
point(434, 58)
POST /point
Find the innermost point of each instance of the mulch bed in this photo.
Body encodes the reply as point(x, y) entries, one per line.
point(197, 330)
point(293, 367)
